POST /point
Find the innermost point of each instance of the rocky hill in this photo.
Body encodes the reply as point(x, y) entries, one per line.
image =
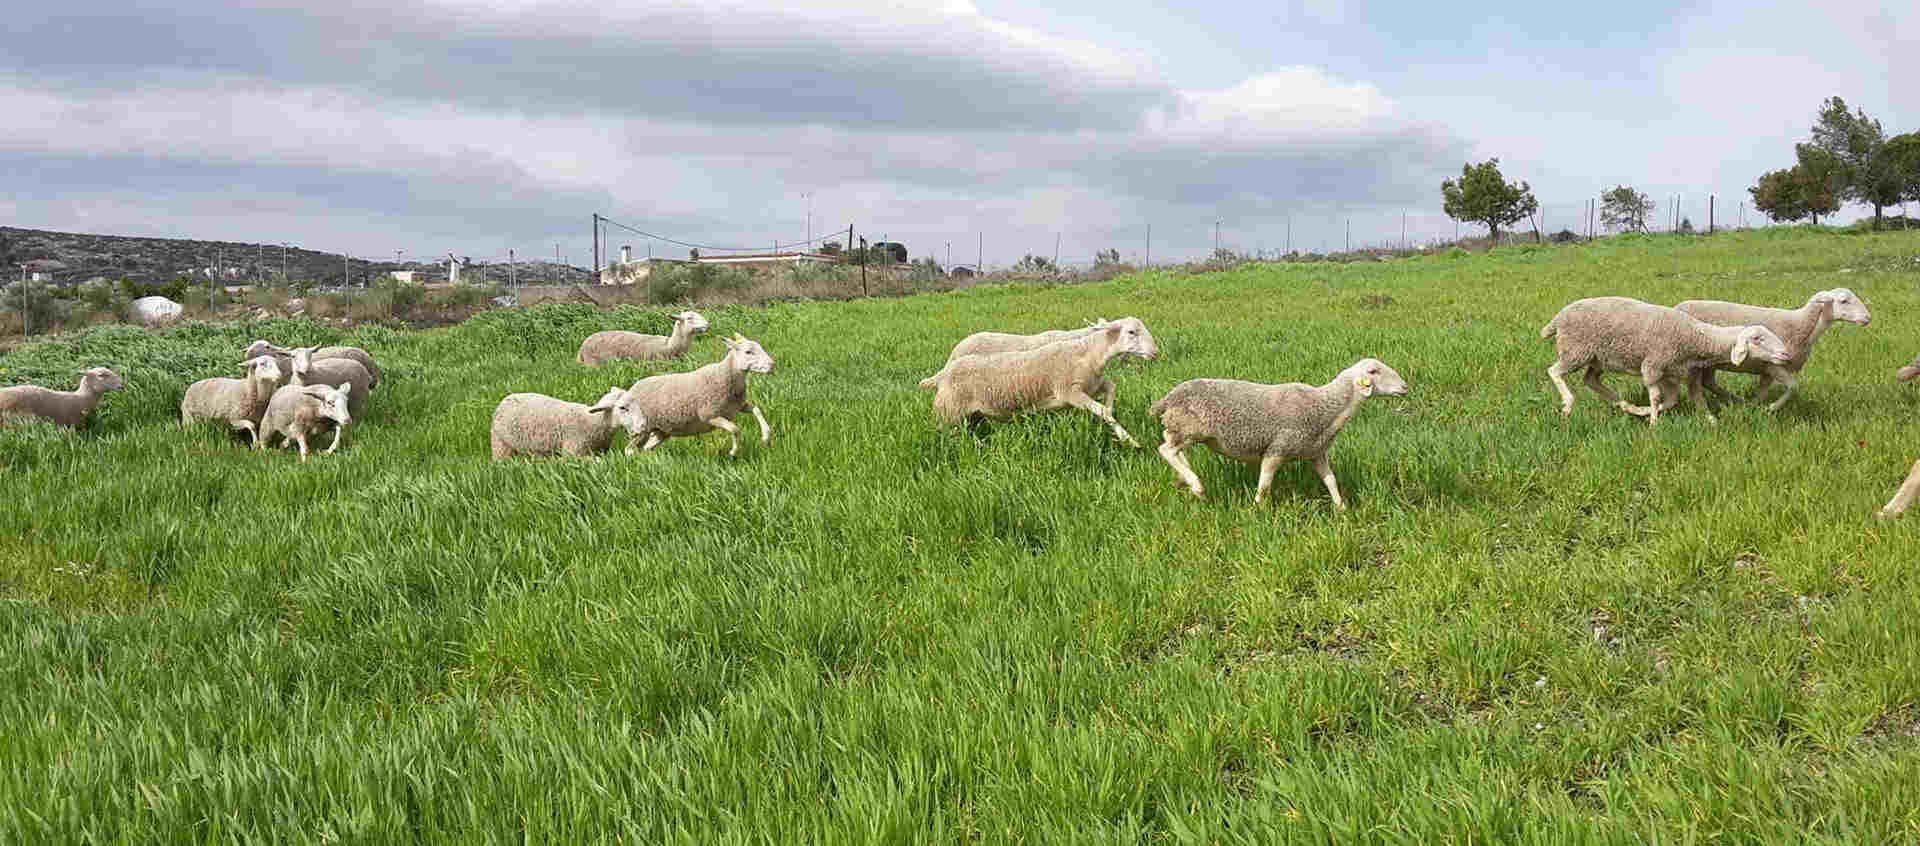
point(69, 258)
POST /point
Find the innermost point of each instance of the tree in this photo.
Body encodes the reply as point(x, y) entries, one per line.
point(1106, 257)
point(1800, 191)
point(1483, 196)
point(1903, 151)
point(1625, 209)
point(1862, 169)
point(1031, 263)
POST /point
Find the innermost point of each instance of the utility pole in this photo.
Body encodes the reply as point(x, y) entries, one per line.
point(1056, 252)
point(863, 268)
point(283, 264)
point(1216, 237)
point(26, 306)
point(1149, 245)
point(1289, 234)
point(1349, 234)
point(1710, 214)
point(809, 196)
point(1403, 230)
point(513, 271)
point(596, 245)
point(346, 282)
point(949, 255)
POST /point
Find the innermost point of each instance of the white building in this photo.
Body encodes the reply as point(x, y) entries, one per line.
point(402, 275)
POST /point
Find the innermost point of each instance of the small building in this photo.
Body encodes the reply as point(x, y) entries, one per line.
point(402, 275)
point(39, 276)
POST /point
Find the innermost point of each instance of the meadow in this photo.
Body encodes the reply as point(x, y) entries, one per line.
point(1526, 629)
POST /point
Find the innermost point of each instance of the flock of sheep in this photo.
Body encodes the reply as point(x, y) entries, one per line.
point(296, 393)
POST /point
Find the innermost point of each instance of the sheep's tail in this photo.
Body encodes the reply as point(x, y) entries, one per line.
point(1552, 326)
point(934, 380)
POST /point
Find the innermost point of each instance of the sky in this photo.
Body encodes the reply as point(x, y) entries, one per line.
point(960, 128)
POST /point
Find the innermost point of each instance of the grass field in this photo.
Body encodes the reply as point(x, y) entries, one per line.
point(1526, 629)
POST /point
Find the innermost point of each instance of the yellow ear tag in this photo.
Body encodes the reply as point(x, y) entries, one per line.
point(1365, 381)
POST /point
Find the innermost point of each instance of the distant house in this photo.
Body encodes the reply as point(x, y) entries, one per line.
point(39, 276)
point(402, 275)
point(627, 270)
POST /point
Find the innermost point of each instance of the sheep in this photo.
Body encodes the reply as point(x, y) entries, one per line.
point(537, 424)
point(1664, 345)
point(342, 372)
point(240, 402)
point(601, 347)
point(1267, 424)
point(677, 404)
point(1907, 373)
point(64, 408)
point(297, 410)
point(1904, 496)
point(1799, 328)
point(986, 343)
point(1060, 374)
point(265, 347)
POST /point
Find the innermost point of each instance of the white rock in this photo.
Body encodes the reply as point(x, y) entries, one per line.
point(155, 311)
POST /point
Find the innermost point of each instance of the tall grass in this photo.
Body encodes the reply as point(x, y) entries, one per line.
point(1526, 629)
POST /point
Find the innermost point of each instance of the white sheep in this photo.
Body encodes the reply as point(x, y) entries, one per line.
point(537, 424)
point(1662, 344)
point(297, 411)
point(1907, 373)
point(1055, 376)
point(601, 347)
point(1904, 496)
point(65, 408)
point(1798, 328)
point(1268, 424)
point(240, 402)
point(678, 404)
point(340, 372)
point(265, 347)
point(987, 343)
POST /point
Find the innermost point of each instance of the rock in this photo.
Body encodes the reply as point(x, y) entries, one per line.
point(505, 301)
point(297, 305)
point(154, 311)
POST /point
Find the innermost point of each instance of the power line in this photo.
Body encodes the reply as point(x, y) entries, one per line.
point(644, 234)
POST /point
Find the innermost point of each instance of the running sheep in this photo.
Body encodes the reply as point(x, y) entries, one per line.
point(602, 347)
point(987, 343)
point(537, 424)
point(239, 402)
point(1797, 328)
point(64, 408)
point(1268, 424)
point(1048, 378)
point(1662, 344)
point(679, 404)
point(297, 411)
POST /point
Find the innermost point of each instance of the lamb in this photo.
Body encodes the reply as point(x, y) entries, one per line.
point(240, 402)
point(64, 408)
point(987, 343)
point(537, 424)
point(296, 411)
point(1060, 374)
point(601, 347)
point(678, 404)
point(1662, 344)
point(265, 347)
point(1799, 328)
point(340, 372)
point(1267, 424)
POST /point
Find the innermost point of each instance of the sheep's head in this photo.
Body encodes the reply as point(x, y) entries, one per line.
point(100, 380)
point(333, 402)
point(1846, 305)
point(263, 347)
point(1129, 336)
point(1373, 376)
point(302, 359)
point(748, 355)
point(264, 368)
point(626, 413)
point(1759, 341)
point(695, 323)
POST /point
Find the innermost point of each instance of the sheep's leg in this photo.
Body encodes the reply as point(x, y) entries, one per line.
point(338, 430)
point(1325, 468)
point(1787, 381)
point(1695, 381)
point(1671, 394)
point(1594, 384)
point(301, 439)
point(1079, 399)
point(1107, 396)
point(1170, 452)
point(1712, 384)
point(1760, 388)
point(1904, 496)
point(732, 431)
point(1652, 380)
point(1268, 466)
point(247, 425)
point(766, 431)
point(1557, 372)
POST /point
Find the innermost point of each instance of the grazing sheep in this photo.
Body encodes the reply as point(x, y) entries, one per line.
point(240, 402)
point(1798, 328)
point(297, 411)
point(66, 408)
point(677, 404)
point(1662, 344)
point(1904, 496)
point(1267, 424)
point(1907, 373)
point(987, 343)
point(265, 347)
point(340, 372)
point(537, 424)
point(601, 347)
point(1060, 374)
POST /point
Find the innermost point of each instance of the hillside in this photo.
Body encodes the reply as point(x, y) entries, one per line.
point(72, 257)
point(1527, 629)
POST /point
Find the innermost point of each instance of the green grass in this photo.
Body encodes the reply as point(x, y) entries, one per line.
point(878, 631)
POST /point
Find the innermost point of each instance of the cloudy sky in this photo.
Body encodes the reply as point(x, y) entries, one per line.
point(473, 126)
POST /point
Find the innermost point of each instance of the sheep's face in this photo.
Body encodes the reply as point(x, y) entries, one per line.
point(1759, 341)
point(101, 380)
point(626, 413)
point(1373, 376)
point(1847, 306)
point(333, 403)
point(263, 367)
point(748, 355)
point(1130, 337)
point(692, 320)
point(302, 359)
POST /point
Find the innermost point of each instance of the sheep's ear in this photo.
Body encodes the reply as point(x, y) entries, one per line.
point(1740, 346)
point(605, 406)
point(1365, 385)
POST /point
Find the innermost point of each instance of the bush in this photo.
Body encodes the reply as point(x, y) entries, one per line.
point(1564, 236)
